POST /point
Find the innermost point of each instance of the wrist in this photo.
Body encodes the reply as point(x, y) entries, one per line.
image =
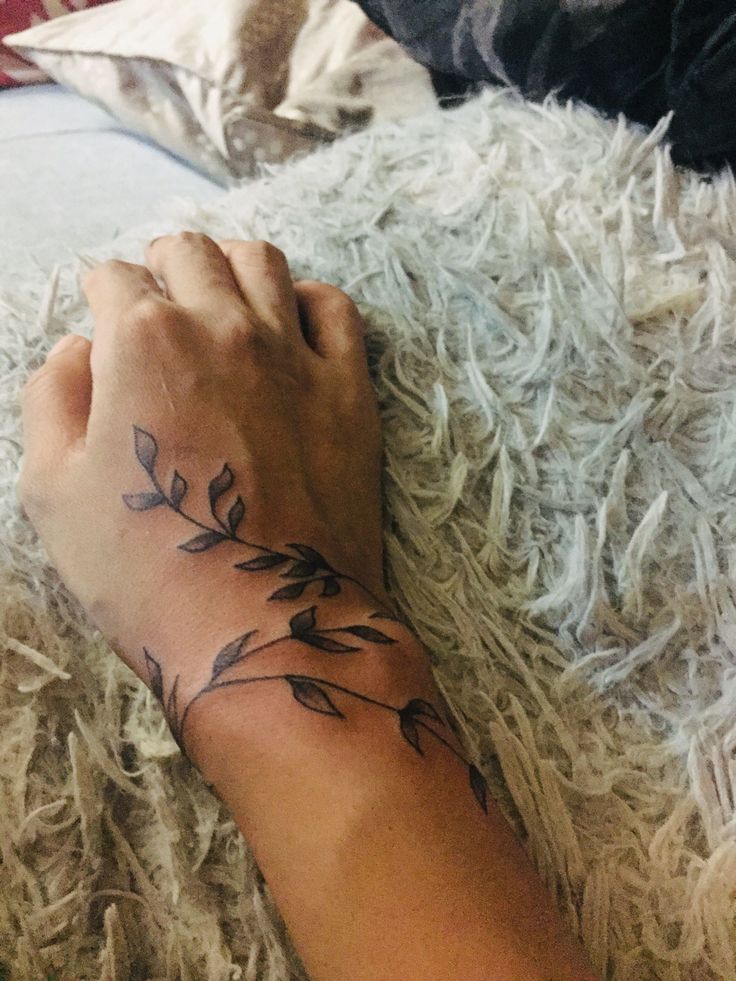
point(199, 659)
point(286, 700)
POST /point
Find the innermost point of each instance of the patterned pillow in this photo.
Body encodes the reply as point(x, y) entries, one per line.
point(202, 84)
point(251, 84)
point(17, 15)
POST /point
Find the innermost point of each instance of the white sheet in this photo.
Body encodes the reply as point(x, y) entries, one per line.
point(71, 176)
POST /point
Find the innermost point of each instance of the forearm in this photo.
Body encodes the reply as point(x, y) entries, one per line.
point(377, 850)
point(175, 469)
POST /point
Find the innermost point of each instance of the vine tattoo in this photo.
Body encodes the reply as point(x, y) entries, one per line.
point(307, 568)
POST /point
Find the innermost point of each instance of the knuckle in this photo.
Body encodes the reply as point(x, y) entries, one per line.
point(104, 270)
point(184, 240)
point(189, 238)
point(358, 402)
point(332, 297)
point(149, 316)
point(245, 342)
point(233, 330)
point(260, 251)
point(342, 302)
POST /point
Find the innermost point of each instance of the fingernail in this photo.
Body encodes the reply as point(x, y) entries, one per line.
point(62, 344)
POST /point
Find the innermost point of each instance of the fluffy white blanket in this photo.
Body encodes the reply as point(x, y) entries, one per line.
point(553, 340)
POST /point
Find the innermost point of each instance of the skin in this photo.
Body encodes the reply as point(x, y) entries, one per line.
point(379, 857)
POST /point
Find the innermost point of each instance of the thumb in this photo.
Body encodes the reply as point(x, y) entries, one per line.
point(56, 402)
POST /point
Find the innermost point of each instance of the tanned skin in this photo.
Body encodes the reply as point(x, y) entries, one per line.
point(205, 475)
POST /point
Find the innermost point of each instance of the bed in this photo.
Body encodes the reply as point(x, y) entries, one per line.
point(551, 318)
point(72, 176)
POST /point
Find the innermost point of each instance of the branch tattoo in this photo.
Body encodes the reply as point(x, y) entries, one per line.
point(305, 571)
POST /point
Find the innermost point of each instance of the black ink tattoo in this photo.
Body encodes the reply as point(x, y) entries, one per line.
point(302, 628)
point(306, 567)
point(315, 694)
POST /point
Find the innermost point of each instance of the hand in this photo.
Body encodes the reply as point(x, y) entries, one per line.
point(205, 476)
point(214, 445)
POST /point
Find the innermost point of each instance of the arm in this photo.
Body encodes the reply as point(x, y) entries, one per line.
point(206, 478)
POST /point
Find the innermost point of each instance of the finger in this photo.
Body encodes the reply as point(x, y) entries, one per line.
point(198, 277)
point(56, 402)
point(262, 273)
point(333, 325)
point(113, 287)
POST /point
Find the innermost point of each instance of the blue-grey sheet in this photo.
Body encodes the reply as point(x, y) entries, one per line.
point(72, 177)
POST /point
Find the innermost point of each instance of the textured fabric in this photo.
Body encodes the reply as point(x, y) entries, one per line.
point(17, 15)
point(212, 88)
point(645, 58)
point(551, 317)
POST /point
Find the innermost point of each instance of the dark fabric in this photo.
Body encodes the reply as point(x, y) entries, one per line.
point(641, 57)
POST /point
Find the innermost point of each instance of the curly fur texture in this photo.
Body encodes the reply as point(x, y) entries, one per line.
point(553, 339)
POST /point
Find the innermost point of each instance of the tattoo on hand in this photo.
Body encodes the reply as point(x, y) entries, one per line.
point(307, 567)
point(315, 694)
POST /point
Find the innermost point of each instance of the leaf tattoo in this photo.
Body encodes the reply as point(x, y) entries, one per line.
point(147, 452)
point(235, 515)
point(303, 627)
point(263, 562)
point(311, 555)
point(303, 623)
point(172, 709)
point(309, 694)
point(410, 731)
point(370, 634)
point(203, 542)
point(380, 615)
point(178, 490)
point(418, 706)
point(219, 484)
point(314, 694)
point(323, 643)
point(308, 566)
point(305, 567)
point(146, 449)
point(231, 654)
point(293, 591)
point(154, 675)
point(408, 717)
point(331, 587)
point(145, 501)
point(301, 570)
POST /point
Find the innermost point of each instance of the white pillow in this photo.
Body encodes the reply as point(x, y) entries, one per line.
point(201, 79)
point(345, 72)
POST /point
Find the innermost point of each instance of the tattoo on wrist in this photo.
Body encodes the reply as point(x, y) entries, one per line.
point(309, 567)
point(317, 694)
